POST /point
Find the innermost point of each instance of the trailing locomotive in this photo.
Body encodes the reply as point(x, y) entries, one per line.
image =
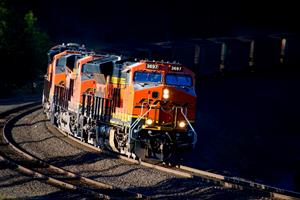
point(144, 109)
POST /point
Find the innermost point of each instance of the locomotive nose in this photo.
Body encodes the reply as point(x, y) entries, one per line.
point(174, 94)
point(172, 101)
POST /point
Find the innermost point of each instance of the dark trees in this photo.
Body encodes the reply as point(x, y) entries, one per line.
point(23, 48)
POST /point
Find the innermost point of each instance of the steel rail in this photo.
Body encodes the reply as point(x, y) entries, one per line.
point(189, 172)
point(9, 120)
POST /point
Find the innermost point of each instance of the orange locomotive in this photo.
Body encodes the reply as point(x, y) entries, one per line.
point(144, 109)
point(61, 60)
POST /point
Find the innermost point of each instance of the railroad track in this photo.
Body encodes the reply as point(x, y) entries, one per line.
point(14, 157)
point(69, 180)
point(188, 172)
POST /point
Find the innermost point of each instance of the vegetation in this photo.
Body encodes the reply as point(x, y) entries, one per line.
point(23, 48)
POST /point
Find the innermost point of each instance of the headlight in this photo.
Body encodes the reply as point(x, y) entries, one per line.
point(149, 121)
point(182, 124)
point(166, 94)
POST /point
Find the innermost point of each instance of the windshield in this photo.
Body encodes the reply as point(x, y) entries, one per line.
point(147, 77)
point(60, 65)
point(59, 69)
point(179, 80)
point(91, 69)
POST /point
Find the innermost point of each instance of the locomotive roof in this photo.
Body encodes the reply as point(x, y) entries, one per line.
point(119, 63)
point(74, 54)
point(104, 59)
point(129, 65)
point(68, 46)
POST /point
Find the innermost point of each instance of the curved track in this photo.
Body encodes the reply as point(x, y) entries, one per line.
point(17, 158)
point(225, 181)
point(188, 172)
point(20, 159)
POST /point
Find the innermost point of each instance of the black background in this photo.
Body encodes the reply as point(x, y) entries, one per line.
point(157, 20)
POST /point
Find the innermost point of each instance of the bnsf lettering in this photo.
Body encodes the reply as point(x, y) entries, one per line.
point(147, 102)
point(151, 66)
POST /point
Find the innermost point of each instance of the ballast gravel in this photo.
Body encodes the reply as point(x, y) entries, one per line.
point(30, 133)
point(16, 185)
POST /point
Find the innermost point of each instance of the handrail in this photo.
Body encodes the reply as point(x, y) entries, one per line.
point(136, 122)
point(195, 134)
point(150, 108)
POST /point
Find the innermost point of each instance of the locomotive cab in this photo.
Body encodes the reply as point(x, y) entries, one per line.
point(82, 87)
point(61, 59)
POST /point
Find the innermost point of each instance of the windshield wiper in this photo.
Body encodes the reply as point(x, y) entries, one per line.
point(88, 75)
point(142, 83)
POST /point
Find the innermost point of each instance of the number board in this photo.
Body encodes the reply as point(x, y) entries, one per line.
point(152, 66)
point(176, 68)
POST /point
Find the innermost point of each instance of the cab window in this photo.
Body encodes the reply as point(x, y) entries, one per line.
point(147, 77)
point(60, 65)
point(179, 80)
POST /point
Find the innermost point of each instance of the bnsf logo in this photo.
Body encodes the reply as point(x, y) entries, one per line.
point(166, 104)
